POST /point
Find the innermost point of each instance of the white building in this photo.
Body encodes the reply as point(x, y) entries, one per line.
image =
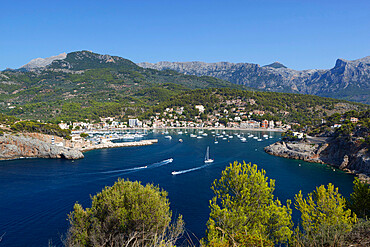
point(134, 123)
point(63, 126)
point(271, 124)
point(200, 108)
point(298, 134)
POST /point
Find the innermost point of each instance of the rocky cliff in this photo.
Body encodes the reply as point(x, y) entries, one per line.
point(348, 80)
point(23, 146)
point(346, 156)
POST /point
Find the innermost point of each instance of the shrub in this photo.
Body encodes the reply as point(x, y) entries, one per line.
point(126, 214)
point(244, 210)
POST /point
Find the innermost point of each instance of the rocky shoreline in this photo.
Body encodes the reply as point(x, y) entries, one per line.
point(342, 155)
point(34, 145)
point(24, 146)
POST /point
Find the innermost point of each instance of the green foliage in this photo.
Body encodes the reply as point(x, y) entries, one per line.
point(244, 208)
point(324, 216)
point(84, 135)
point(126, 214)
point(49, 129)
point(302, 109)
point(288, 136)
point(359, 201)
point(7, 119)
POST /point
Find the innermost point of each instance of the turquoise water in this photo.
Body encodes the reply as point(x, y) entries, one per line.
point(37, 194)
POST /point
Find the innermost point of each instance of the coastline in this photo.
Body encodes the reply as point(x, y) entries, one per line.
point(43, 144)
point(328, 153)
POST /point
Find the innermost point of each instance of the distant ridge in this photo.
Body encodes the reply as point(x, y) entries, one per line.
point(349, 80)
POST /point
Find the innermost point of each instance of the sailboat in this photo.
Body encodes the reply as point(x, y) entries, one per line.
point(207, 159)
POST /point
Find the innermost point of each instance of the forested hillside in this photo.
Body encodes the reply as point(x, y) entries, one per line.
point(228, 103)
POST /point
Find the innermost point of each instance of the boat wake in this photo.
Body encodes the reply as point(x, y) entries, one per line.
point(189, 170)
point(124, 170)
point(154, 165)
point(161, 163)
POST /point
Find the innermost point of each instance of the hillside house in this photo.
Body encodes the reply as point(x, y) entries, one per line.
point(200, 108)
point(354, 119)
point(265, 124)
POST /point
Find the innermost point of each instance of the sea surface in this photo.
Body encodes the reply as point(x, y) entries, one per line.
point(36, 195)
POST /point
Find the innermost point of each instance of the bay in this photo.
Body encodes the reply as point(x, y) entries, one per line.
point(36, 195)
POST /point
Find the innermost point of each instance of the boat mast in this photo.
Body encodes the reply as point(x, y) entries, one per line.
point(207, 154)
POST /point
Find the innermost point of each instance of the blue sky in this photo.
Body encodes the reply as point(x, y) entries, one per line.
point(300, 34)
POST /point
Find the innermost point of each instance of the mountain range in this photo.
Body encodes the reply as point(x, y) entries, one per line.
point(348, 80)
point(63, 86)
point(45, 88)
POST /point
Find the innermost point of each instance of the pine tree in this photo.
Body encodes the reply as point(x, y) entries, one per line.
point(244, 211)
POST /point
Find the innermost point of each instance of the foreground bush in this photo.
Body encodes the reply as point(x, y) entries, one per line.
point(325, 221)
point(244, 211)
point(359, 201)
point(126, 214)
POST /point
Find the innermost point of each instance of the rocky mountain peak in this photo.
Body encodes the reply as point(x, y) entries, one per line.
point(276, 65)
point(340, 63)
point(43, 62)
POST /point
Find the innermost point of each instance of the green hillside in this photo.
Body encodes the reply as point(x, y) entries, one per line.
point(87, 85)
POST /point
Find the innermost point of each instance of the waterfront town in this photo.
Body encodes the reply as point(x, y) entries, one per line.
point(171, 118)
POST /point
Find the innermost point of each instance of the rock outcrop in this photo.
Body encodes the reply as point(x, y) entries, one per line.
point(344, 155)
point(21, 146)
point(299, 151)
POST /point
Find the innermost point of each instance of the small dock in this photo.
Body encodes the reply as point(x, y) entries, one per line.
point(118, 145)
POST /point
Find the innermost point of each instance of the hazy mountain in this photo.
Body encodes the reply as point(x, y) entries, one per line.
point(347, 80)
point(42, 62)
